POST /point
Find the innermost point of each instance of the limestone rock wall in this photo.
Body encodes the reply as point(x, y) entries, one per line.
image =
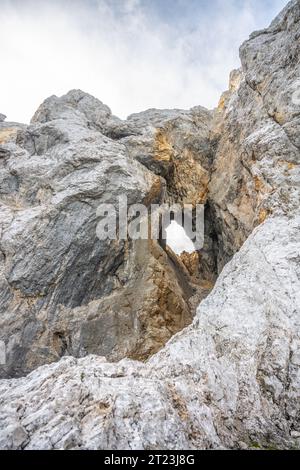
point(256, 133)
point(231, 378)
point(63, 291)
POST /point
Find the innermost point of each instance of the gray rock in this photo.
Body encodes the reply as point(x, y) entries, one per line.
point(231, 378)
point(63, 290)
point(256, 131)
point(2, 117)
point(205, 389)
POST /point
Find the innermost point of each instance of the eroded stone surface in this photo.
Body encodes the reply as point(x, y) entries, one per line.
point(231, 379)
point(63, 290)
point(256, 130)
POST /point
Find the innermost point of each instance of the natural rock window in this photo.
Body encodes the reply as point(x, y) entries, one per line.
point(178, 240)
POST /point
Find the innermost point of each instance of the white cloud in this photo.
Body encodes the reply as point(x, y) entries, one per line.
point(121, 52)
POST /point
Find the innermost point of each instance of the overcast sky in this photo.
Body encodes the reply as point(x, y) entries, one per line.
point(131, 54)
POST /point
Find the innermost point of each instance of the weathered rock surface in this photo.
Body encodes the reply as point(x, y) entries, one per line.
point(256, 128)
point(229, 380)
point(232, 378)
point(63, 291)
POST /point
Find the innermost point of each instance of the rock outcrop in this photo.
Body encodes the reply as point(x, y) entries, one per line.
point(231, 378)
point(63, 291)
point(255, 171)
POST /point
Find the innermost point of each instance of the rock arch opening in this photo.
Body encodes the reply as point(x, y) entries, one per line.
point(117, 298)
point(178, 240)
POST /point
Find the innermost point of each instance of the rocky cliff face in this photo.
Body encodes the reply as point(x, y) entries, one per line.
point(255, 170)
point(231, 378)
point(63, 290)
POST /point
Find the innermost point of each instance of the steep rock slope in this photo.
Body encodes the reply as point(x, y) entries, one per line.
point(64, 291)
point(255, 171)
point(231, 379)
